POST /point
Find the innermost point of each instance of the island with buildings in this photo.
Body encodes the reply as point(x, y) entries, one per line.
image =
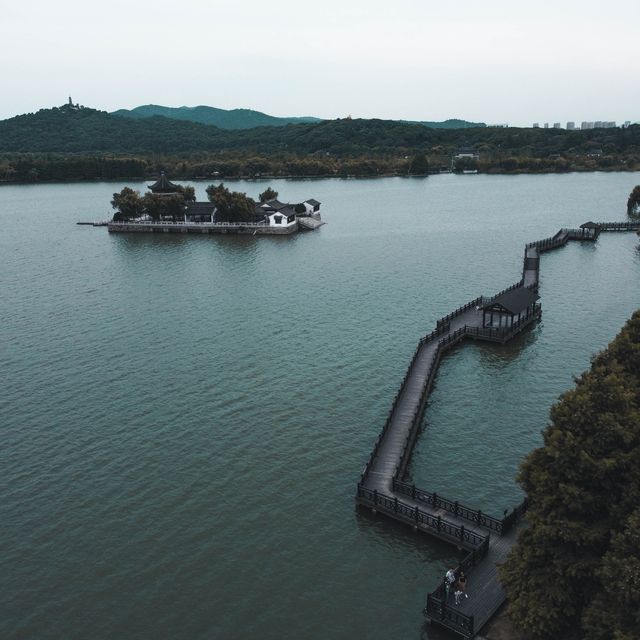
point(172, 208)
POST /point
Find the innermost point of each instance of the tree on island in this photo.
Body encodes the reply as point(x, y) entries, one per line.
point(164, 206)
point(188, 193)
point(633, 203)
point(419, 165)
point(232, 206)
point(131, 205)
point(128, 204)
point(268, 194)
point(583, 486)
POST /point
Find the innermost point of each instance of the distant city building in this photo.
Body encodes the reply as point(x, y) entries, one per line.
point(586, 125)
point(536, 125)
point(571, 126)
point(546, 125)
point(627, 123)
point(556, 125)
point(501, 125)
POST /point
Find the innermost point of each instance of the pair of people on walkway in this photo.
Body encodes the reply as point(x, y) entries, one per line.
point(456, 580)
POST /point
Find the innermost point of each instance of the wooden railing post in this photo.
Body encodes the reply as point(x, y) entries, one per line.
point(375, 497)
point(434, 500)
point(455, 508)
point(461, 533)
point(439, 523)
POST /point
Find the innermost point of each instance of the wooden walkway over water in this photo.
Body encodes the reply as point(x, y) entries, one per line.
point(382, 488)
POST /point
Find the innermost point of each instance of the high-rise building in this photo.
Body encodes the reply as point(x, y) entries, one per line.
point(556, 125)
point(536, 125)
point(571, 126)
point(546, 125)
point(587, 125)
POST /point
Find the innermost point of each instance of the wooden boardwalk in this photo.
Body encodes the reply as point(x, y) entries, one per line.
point(381, 488)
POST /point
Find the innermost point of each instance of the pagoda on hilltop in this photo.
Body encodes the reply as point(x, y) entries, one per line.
point(163, 186)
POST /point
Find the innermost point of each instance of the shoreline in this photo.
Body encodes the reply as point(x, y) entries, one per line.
point(267, 178)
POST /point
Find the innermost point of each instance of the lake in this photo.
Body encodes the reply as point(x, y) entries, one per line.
point(184, 419)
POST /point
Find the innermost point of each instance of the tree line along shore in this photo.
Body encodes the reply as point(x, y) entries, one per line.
point(77, 143)
point(54, 167)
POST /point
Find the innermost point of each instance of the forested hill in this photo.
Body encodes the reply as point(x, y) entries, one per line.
point(79, 129)
point(222, 118)
point(249, 119)
point(72, 129)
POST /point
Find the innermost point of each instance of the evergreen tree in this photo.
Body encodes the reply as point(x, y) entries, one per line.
point(615, 611)
point(128, 204)
point(268, 194)
point(582, 485)
point(419, 165)
point(633, 203)
point(232, 206)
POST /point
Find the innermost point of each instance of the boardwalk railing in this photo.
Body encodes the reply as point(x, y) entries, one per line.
point(417, 517)
point(458, 510)
point(446, 320)
point(494, 334)
point(438, 608)
point(619, 226)
point(461, 511)
point(182, 223)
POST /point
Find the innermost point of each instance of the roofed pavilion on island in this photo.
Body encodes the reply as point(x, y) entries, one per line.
point(163, 186)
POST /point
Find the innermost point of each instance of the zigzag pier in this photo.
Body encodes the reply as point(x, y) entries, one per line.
point(382, 489)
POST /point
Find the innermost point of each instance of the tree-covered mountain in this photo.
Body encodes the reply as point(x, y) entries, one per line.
point(249, 119)
point(451, 123)
point(222, 118)
point(79, 129)
point(77, 143)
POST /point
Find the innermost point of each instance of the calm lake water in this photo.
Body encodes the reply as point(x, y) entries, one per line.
point(183, 420)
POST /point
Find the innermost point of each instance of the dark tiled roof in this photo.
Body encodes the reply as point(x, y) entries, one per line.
point(200, 207)
point(313, 202)
point(590, 225)
point(514, 301)
point(163, 185)
point(275, 204)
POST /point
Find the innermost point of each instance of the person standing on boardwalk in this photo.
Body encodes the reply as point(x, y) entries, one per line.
point(462, 583)
point(449, 580)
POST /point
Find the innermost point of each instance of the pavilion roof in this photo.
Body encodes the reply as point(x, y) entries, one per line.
point(163, 185)
point(513, 301)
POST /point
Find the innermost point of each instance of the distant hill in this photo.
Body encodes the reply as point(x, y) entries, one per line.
point(75, 129)
point(451, 123)
point(222, 118)
point(249, 119)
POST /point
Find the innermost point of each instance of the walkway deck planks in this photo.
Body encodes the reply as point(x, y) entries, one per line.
point(487, 539)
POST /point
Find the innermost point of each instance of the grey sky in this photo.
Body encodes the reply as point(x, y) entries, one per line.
point(493, 61)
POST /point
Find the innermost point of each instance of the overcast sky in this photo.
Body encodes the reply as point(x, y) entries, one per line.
point(493, 61)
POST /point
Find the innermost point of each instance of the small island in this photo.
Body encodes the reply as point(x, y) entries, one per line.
point(172, 208)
